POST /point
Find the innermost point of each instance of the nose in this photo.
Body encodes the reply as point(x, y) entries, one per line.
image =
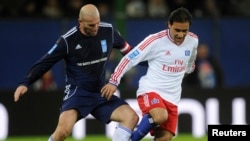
point(96, 26)
point(181, 35)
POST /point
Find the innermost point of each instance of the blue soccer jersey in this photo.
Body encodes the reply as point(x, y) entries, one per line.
point(85, 57)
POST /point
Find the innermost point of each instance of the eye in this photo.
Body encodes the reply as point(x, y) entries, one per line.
point(92, 25)
point(184, 31)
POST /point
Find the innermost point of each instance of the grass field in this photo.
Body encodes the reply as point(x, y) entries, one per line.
point(180, 137)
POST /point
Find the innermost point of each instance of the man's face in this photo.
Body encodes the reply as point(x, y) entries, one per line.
point(178, 31)
point(89, 26)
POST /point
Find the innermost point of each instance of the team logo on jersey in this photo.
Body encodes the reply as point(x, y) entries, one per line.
point(155, 101)
point(133, 54)
point(78, 47)
point(168, 52)
point(104, 45)
point(187, 52)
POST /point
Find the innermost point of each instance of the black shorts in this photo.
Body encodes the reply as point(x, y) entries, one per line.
point(86, 102)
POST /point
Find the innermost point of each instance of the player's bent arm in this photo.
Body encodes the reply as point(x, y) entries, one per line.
point(21, 90)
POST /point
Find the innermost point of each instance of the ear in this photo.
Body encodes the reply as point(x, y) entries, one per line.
point(168, 24)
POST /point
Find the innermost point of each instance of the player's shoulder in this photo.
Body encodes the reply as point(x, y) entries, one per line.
point(105, 25)
point(161, 33)
point(70, 32)
point(154, 38)
point(193, 35)
point(158, 35)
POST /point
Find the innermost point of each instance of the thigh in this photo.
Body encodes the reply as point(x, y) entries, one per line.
point(106, 107)
point(81, 100)
point(122, 113)
point(161, 110)
point(126, 116)
point(150, 101)
point(171, 123)
point(67, 119)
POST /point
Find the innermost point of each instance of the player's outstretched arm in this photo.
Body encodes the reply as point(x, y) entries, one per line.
point(108, 90)
point(21, 90)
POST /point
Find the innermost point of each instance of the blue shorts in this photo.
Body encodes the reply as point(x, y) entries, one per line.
point(86, 102)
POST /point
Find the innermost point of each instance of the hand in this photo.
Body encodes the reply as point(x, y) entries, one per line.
point(108, 90)
point(21, 90)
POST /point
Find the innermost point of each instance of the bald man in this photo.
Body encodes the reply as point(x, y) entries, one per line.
point(85, 50)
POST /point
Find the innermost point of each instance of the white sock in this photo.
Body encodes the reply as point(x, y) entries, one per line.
point(121, 134)
point(50, 138)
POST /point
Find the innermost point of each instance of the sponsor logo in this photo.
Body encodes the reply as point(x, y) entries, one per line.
point(133, 54)
point(92, 62)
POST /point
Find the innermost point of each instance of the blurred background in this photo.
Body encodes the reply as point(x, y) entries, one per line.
point(29, 28)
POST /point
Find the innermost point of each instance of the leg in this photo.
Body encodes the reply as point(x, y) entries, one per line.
point(127, 119)
point(65, 124)
point(156, 117)
point(154, 114)
point(163, 135)
point(167, 130)
point(126, 116)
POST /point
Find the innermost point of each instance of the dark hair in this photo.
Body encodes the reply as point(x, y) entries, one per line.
point(180, 15)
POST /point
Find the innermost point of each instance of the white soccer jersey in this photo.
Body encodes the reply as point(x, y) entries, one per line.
point(167, 64)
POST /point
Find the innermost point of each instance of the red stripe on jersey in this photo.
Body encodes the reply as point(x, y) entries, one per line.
point(192, 34)
point(119, 69)
point(151, 39)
